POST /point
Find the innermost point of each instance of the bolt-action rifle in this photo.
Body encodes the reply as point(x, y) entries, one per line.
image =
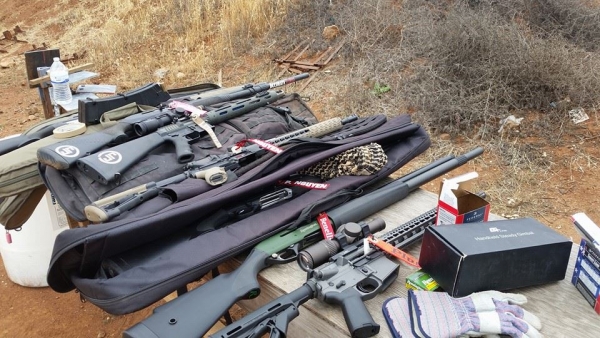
point(214, 169)
point(109, 164)
point(62, 155)
point(242, 283)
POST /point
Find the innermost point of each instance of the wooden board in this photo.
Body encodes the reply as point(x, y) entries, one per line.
point(38, 80)
point(38, 58)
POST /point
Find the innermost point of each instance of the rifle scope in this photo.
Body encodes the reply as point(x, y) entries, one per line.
point(319, 253)
point(151, 125)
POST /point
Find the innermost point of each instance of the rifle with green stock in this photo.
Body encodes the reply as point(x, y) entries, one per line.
point(348, 279)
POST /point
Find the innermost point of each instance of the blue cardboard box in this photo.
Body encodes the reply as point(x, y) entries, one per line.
point(586, 274)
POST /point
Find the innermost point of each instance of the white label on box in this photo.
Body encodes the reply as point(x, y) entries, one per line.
point(57, 214)
point(592, 272)
point(589, 284)
point(445, 217)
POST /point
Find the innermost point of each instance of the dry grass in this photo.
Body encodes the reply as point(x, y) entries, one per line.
point(128, 40)
point(509, 170)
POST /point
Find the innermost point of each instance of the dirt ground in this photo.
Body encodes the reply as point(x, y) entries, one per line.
point(570, 186)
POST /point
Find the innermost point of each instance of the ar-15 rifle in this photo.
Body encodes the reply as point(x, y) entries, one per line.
point(62, 155)
point(215, 169)
point(242, 283)
point(108, 165)
point(350, 278)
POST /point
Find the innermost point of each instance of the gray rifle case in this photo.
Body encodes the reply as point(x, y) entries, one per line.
point(129, 263)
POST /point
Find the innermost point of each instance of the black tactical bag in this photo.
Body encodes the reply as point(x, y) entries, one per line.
point(131, 262)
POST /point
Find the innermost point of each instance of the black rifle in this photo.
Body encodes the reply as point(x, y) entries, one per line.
point(215, 169)
point(63, 155)
point(109, 164)
point(9, 144)
point(350, 278)
point(242, 283)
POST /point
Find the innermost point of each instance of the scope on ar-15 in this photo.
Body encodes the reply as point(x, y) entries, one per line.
point(151, 125)
point(319, 253)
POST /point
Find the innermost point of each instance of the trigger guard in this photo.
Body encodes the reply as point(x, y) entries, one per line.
point(282, 258)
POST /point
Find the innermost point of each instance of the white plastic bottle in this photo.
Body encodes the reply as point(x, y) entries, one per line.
point(59, 76)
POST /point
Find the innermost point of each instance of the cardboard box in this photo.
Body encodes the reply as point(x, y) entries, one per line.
point(588, 231)
point(496, 255)
point(457, 205)
point(586, 274)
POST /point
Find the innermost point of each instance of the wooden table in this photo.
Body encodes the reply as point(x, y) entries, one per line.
point(563, 311)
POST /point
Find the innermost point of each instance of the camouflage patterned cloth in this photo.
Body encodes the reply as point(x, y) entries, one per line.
point(358, 161)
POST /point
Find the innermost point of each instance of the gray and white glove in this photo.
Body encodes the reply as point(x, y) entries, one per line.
point(437, 315)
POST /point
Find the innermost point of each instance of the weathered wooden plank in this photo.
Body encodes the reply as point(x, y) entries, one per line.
point(71, 70)
point(337, 49)
point(296, 58)
point(298, 65)
point(38, 58)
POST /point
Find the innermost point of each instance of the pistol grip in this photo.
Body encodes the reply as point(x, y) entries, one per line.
point(183, 150)
point(358, 319)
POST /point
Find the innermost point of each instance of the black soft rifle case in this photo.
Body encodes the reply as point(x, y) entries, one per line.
point(125, 265)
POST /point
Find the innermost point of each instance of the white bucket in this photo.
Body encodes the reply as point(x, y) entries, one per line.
point(27, 258)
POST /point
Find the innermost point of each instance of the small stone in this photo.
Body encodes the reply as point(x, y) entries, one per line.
point(445, 137)
point(513, 202)
point(4, 64)
point(180, 75)
point(161, 73)
point(34, 110)
point(31, 117)
point(331, 32)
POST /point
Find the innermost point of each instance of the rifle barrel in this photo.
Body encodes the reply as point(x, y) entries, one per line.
point(361, 207)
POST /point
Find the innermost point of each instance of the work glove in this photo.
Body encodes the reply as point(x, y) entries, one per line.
point(437, 315)
point(397, 316)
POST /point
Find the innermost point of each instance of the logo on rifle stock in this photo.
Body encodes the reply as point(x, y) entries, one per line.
point(110, 157)
point(67, 151)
